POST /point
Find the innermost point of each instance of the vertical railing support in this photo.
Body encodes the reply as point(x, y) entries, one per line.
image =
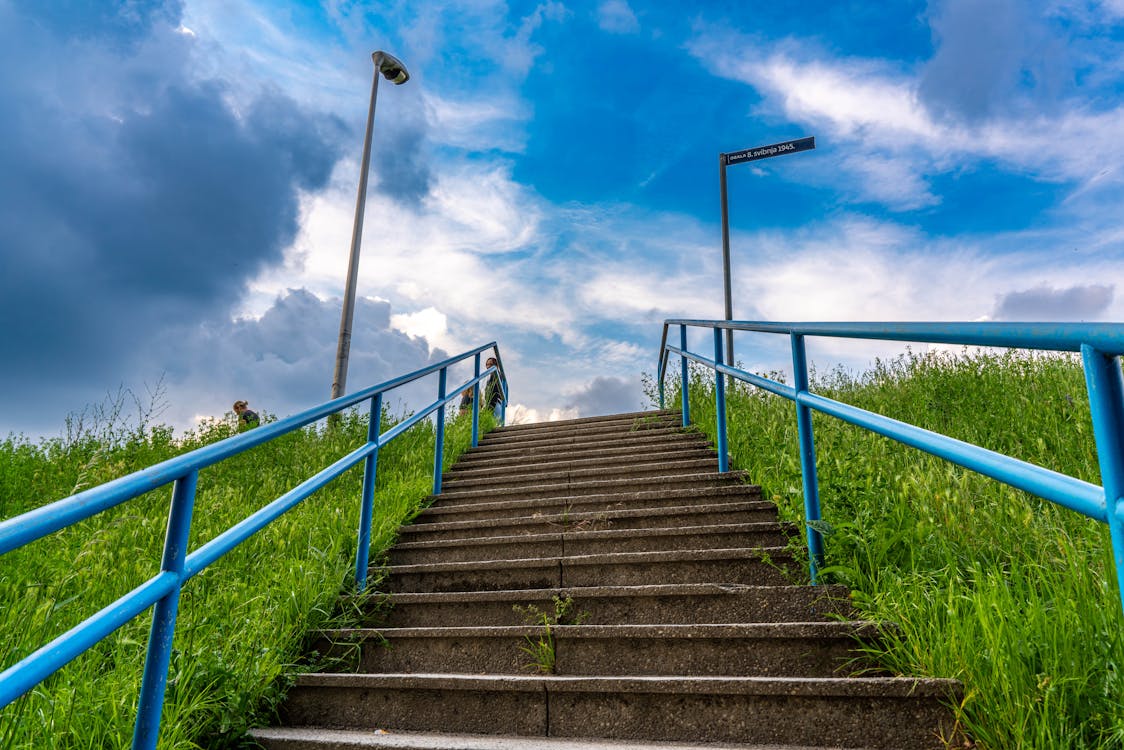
point(439, 443)
point(720, 404)
point(1106, 402)
point(367, 506)
point(503, 404)
point(476, 402)
point(807, 458)
point(147, 728)
point(683, 376)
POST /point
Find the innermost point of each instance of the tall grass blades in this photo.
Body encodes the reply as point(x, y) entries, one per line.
point(1010, 593)
point(241, 622)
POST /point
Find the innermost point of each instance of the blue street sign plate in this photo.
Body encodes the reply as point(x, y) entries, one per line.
point(776, 149)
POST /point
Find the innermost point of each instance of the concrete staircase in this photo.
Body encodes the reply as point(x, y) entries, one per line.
point(596, 583)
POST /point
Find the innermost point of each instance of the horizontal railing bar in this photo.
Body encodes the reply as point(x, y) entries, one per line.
point(35, 524)
point(764, 383)
point(692, 356)
point(1075, 494)
point(1106, 337)
point(198, 560)
point(1069, 492)
point(45, 661)
point(401, 427)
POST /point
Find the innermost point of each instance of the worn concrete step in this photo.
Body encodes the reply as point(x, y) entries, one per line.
point(522, 477)
point(723, 510)
point(506, 466)
point(800, 649)
point(320, 738)
point(662, 439)
point(509, 456)
point(698, 603)
point(569, 544)
point(605, 428)
point(613, 427)
point(588, 486)
point(655, 498)
point(583, 440)
point(764, 566)
point(590, 421)
point(876, 712)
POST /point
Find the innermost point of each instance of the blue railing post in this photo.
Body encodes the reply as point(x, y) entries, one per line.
point(367, 506)
point(683, 376)
point(503, 404)
point(151, 702)
point(439, 443)
point(476, 403)
point(720, 404)
point(807, 457)
point(1106, 403)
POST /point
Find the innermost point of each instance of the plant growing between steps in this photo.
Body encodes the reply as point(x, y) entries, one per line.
point(541, 647)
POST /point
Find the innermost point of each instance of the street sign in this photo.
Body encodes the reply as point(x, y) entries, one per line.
point(776, 149)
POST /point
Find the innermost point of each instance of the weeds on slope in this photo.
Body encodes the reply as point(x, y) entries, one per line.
point(241, 622)
point(1011, 594)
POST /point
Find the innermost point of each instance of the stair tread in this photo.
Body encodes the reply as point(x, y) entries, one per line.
point(762, 630)
point(660, 589)
point(350, 739)
point(609, 558)
point(904, 687)
point(761, 526)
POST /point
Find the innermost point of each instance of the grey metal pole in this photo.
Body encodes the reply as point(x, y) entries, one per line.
point(343, 349)
point(726, 258)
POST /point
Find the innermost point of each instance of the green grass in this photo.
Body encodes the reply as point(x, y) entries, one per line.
point(1007, 592)
point(242, 622)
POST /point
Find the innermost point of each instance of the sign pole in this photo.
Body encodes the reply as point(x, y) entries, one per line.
point(737, 157)
point(726, 258)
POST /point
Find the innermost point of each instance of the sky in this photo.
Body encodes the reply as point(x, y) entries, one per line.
point(178, 182)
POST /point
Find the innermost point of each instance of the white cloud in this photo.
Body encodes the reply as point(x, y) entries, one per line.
point(522, 414)
point(616, 17)
point(479, 123)
point(873, 113)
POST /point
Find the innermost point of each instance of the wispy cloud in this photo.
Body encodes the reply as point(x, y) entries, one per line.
point(876, 112)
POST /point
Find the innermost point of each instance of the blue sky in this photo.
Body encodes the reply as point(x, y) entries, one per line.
point(177, 182)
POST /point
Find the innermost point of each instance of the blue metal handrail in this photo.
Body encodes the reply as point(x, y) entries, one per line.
point(177, 565)
point(1100, 346)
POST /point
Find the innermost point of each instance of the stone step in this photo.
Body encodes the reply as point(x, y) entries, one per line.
point(505, 478)
point(874, 712)
point(320, 738)
point(722, 511)
point(638, 442)
point(506, 466)
point(768, 566)
point(569, 544)
point(531, 427)
point(589, 486)
point(495, 440)
point(699, 603)
point(800, 649)
point(613, 427)
point(466, 511)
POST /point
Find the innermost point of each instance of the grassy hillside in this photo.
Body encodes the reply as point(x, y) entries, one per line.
point(241, 622)
point(1011, 594)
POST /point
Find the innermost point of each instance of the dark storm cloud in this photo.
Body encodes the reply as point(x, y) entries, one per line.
point(283, 362)
point(990, 55)
point(110, 22)
point(132, 198)
point(1046, 303)
point(607, 395)
point(400, 165)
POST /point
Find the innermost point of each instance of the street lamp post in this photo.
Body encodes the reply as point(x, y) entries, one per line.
point(395, 72)
point(737, 157)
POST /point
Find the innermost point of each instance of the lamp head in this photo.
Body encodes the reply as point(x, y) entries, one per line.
point(391, 67)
